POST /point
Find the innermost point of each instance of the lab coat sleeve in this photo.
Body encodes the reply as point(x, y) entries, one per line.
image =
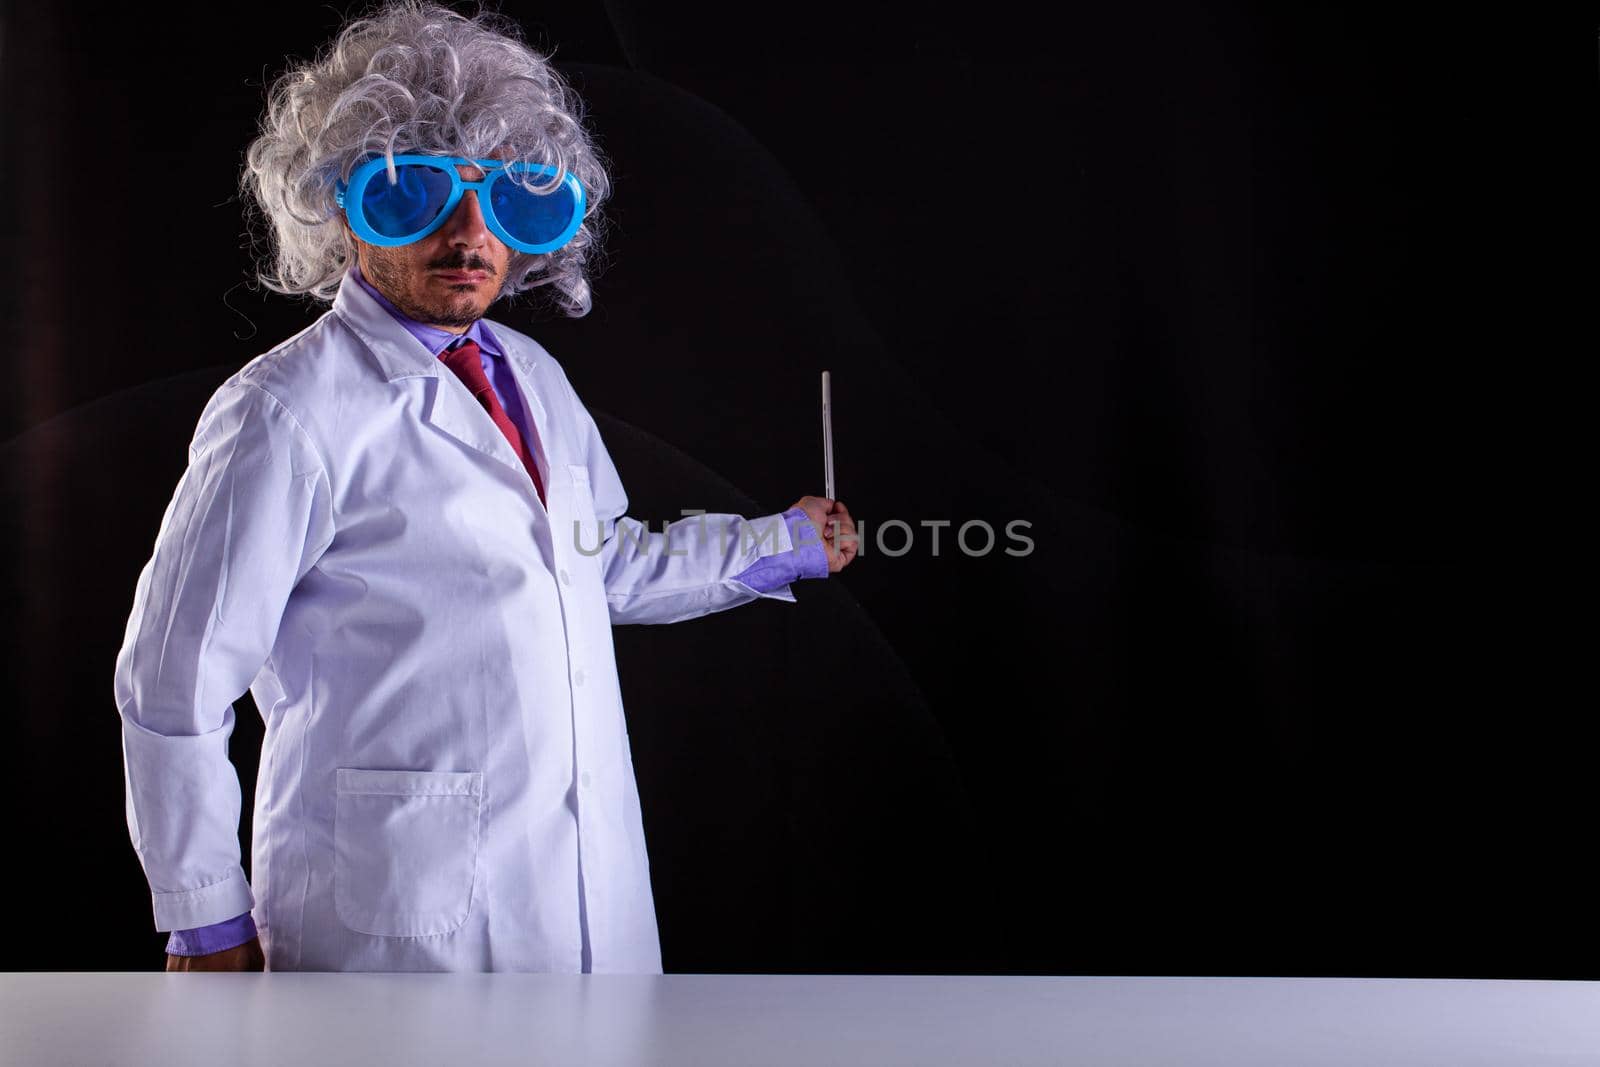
point(683, 571)
point(250, 515)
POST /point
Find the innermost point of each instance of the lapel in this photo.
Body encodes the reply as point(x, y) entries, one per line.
point(448, 405)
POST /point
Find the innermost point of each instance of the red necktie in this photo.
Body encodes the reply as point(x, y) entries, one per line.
point(467, 363)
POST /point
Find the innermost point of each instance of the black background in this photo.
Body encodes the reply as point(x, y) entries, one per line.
point(1214, 296)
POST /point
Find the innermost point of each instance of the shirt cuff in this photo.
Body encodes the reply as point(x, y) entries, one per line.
point(204, 940)
point(808, 546)
point(808, 559)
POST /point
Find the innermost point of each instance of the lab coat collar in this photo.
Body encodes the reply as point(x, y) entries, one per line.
point(450, 408)
point(398, 352)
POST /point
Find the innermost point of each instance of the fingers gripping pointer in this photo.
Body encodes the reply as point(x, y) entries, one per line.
point(832, 520)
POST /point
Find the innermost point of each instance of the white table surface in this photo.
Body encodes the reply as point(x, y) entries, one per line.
point(155, 1017)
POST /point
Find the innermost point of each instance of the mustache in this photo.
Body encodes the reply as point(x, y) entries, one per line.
point(462, 261)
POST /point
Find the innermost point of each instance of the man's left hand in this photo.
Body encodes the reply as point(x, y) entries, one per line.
point(832, 519)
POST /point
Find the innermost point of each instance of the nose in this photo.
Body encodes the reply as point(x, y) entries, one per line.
point(466, 227)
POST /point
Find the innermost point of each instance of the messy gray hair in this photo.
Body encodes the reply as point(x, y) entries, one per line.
point(413, 76)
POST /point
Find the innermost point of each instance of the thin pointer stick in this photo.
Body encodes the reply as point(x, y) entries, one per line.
point(827, 438)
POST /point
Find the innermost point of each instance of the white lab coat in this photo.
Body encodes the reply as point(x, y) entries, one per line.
point(445, 782)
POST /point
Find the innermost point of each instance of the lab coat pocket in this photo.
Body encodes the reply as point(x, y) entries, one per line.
point(586, 534)
point(405, 847)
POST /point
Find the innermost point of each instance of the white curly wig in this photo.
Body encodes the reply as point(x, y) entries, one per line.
point(413, 76)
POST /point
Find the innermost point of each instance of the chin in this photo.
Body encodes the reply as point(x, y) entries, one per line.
point(462, 312)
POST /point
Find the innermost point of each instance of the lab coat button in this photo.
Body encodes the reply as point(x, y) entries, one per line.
point(577, 676)
point(584, 778)
point(566, 578)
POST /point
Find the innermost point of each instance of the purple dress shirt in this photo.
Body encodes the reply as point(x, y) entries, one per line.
point(809, 560)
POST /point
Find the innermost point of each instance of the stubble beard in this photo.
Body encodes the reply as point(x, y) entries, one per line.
point(458, 309)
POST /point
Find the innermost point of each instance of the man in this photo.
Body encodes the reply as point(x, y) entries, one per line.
point(401, 531)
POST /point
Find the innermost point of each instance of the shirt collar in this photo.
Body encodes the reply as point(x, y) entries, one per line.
point(433, 338)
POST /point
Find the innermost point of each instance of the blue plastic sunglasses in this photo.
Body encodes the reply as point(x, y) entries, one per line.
point(427, 189)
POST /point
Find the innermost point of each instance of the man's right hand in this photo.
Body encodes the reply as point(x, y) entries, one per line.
point(245, 957)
